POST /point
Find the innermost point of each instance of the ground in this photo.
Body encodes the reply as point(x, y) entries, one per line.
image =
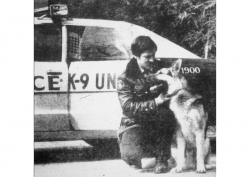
point(101, 161)
point(105, 168)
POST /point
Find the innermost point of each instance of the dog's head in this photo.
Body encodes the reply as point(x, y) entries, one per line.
point(173, 78)
point(179, 81)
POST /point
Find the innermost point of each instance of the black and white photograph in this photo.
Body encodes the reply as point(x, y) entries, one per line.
point(124, 88)
point(130, 88)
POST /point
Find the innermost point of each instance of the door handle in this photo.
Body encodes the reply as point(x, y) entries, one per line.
point(54, 73)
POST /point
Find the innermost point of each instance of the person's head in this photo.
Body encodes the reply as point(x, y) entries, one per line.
point(144, 49)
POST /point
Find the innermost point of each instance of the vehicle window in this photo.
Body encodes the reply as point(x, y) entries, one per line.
point(95, 43)
point(47, 43)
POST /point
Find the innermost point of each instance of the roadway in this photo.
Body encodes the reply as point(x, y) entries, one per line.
point(101, 161)
point(107, 168)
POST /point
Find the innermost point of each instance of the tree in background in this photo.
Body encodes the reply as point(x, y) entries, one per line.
point(188, 23)
point(199, 17)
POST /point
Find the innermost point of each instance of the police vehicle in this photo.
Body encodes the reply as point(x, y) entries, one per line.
point(77, 62)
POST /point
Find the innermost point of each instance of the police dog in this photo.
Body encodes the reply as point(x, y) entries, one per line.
point(192, 145)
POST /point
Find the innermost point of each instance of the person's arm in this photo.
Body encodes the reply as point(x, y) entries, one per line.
point(130, 105)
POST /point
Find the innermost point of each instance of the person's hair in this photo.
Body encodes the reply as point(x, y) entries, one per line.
point(142, 44)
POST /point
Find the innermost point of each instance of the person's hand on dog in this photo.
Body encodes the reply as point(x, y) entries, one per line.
point(154, 89)
point(163, 71)
point(162, 98)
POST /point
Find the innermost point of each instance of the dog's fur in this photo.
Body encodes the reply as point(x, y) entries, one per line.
point(191, 119)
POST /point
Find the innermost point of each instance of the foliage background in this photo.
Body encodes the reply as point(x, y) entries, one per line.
point(188, 23)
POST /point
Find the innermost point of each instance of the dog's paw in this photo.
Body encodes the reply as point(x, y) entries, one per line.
point(176, 170)
point(208, 167)
point(201, 169)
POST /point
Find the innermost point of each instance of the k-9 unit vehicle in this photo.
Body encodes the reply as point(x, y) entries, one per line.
point(77, 62)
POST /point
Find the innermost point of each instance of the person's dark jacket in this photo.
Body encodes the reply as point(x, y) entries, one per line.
point(137, 101)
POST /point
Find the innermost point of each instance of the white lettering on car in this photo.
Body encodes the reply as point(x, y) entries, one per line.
point(102, 81)
point(186, 70)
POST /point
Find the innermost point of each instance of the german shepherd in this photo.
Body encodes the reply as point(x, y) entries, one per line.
point(191, 117)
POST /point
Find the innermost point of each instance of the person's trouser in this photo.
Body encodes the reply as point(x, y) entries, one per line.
point(150, 140)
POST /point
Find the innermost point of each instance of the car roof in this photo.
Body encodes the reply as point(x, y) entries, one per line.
point(128, 32)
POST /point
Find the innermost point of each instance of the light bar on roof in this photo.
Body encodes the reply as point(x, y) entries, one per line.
point(58, 10)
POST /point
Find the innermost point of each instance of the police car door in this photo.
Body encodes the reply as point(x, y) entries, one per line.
point(97, 57)
point(50, 80)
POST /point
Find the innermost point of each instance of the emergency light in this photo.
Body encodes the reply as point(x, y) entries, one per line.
point(58, 8)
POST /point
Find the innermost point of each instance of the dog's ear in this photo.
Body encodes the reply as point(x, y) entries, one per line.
point(176, 67)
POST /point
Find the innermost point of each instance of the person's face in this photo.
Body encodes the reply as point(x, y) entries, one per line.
point(146, 59)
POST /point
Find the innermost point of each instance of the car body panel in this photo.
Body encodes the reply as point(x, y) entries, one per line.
point(95, 106)
point(51, 96)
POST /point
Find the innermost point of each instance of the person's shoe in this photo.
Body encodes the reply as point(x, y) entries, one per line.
point(161, 167)
point(136, 164)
